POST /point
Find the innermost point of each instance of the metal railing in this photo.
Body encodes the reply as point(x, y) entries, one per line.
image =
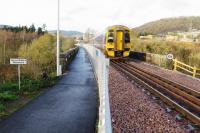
point(185, 67)
point(101, 69)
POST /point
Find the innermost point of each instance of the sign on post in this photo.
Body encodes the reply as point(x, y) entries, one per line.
point(170, 56)
point(18, 61)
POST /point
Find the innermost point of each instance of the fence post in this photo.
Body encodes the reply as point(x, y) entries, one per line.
point(194, 71)
point(160, 62)
point(175, 64)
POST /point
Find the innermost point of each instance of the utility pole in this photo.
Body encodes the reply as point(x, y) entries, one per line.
point(58, 42)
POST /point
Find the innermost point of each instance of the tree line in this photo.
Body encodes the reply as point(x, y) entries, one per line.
point(31, 29)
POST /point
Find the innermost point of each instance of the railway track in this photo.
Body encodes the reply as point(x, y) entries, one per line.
point(181, 98)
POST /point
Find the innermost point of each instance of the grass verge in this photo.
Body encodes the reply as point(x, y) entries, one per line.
point(11, 99)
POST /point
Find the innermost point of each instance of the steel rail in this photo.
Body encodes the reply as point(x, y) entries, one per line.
point(165, 84)
point(170, 98)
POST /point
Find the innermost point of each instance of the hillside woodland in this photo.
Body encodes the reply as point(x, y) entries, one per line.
point(166, 25)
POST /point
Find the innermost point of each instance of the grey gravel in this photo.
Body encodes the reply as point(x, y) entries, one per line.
point(133, 111)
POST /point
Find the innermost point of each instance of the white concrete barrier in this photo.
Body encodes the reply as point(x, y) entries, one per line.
point(101, 68)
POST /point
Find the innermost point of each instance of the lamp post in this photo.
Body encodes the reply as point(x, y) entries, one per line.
point(58, 42)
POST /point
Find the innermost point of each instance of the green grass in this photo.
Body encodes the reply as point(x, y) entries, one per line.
point(29, 90)
point(2, 107)
point(28, 85)
point(9, 87)
point(8, 97)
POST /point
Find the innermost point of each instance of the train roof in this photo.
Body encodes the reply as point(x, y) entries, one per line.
point(117, 26)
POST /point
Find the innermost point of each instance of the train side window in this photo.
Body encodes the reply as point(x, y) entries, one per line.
point(127, 37)
point(110, 37)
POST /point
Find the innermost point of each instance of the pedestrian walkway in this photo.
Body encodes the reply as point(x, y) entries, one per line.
point(68, 107)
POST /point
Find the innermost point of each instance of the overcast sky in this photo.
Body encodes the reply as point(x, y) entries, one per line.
point(96, 14)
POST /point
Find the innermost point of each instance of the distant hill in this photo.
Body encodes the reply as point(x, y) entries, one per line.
point(68, 33)
point(99, 39)
point(1, 26)
point(163, 26)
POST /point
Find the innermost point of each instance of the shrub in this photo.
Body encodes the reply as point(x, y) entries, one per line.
point(41, 55)
point(34, 85)
point(9, 87)
point(67, 43)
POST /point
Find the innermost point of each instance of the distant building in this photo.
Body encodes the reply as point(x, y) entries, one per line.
point(147, 37)
point(160, 37)
point(171, 38)
point(87, 37)
point(190, 36)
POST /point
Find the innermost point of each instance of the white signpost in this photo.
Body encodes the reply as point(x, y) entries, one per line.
point(18, 61)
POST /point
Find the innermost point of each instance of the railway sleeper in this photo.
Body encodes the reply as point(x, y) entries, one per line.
point(172, 88)
point(174, 84)
point(187, 102)
point(192, 117)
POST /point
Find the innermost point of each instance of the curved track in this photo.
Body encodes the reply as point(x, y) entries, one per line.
point(184, 100)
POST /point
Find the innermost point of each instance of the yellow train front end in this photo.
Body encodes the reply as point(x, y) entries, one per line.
point(118, 44)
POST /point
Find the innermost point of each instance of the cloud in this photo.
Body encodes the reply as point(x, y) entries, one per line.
point(97, 14)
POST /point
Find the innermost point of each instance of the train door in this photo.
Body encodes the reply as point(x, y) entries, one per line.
point(119, 40)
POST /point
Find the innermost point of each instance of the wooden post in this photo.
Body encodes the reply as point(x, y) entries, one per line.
point(194, 71)
point(4, 56)
point(19, 78)
point(159, 60)
point(175, 64)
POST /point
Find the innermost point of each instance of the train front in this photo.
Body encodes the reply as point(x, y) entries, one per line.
point(118, 43)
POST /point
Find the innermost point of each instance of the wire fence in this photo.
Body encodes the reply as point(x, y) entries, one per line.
point(157, 59)
point(160, 60)
point(101, 69)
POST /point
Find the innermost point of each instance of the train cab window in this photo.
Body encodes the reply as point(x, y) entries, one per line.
point(110, 37)
point(127, 37)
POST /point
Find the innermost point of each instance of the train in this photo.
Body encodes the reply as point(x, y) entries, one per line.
point(117, 43)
